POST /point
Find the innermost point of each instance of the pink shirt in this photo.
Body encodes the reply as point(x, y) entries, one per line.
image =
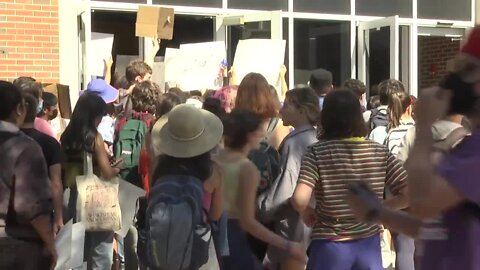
point(43, 126)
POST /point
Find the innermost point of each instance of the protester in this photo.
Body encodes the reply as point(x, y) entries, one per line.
point(301, 111)
point(185, 141)
point(343, 156)
point(359, 89)
point(227, 96)
point(214, 106)
point(400, 120)
point(321, 80)
point(53, 159)
point(107, 125)
point(49, 112)
point(243, 133)
point(379, 118)
point(180, 93)
point(79, 137)
point(26, 236)
point(137, 71)
point(255, 95)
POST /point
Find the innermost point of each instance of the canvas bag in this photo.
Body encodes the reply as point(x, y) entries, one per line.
point(97, 204)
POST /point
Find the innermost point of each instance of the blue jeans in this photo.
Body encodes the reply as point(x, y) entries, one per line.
point(361, 254)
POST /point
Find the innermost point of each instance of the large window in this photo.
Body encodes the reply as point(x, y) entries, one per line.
point(194, 3)
point(445, 9)
point(385, 8)
point(259, 4)
point(322, 44)
point(322, 6)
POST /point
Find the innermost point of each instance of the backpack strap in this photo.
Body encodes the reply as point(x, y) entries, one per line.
point(451, 140)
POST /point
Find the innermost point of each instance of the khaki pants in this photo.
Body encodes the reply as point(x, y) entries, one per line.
point(18, 254)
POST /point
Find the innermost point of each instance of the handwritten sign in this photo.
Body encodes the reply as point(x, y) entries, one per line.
point(195, 66)
point(264, 56)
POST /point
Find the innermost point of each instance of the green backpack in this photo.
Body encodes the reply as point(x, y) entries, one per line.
point(129, 143)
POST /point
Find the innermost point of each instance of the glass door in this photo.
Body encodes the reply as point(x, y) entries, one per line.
point(378, 51)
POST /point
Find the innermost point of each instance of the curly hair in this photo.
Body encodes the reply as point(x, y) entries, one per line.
point(356, 86)
point(145, 97)
point(254, 94)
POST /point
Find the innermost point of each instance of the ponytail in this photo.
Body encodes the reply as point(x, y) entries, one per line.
point(397, 106)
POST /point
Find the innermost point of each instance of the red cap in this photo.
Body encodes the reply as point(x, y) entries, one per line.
point(472, 46)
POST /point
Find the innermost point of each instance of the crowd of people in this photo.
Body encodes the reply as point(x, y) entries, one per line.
point(243, 177)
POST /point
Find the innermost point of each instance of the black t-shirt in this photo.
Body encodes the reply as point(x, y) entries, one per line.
point(50, 147)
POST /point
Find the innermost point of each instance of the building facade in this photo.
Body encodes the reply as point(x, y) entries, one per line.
point(411, 40)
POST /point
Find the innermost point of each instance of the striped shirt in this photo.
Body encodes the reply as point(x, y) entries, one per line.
point(329, 165)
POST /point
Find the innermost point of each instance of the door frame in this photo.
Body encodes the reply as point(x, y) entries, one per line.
point(364, 45)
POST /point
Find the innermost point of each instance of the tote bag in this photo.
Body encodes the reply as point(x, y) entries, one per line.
point(98, 207)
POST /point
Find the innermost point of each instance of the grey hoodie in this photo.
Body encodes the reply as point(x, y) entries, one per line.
point(440, 131)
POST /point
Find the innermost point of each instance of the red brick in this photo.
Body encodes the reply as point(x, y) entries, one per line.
point(42, 74)
point(41, 38)
point(24, 12)
point(34, 19)
point(33, 32)
point(41, 14)
point(32, 44)
point(52, 20)
point(24, 37)
point(16, 56)
point(50, 8)
point(7, 25)
point(33, 56)
point(16, 19)
point(43, 62)
point(25, 25)
point(25, 50)
point(53, 32)
point(42, 26)
point(8, 75)
point(50, 68)
point(25, 62)
point(15, 68)
point(8, 61)
point(42, 50)
point(51, 45)
point(16, 43)
point(16, 6)
point(4, 11)
point(7, 37)
point(33, 7)
point(50, 56)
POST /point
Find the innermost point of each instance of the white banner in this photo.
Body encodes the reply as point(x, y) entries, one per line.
point(264, 56)
point(101, 45)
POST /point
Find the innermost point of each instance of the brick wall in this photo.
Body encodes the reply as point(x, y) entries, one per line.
point(29, 39)
point(433, 54)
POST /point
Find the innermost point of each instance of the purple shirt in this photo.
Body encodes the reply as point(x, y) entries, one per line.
point(455, 242)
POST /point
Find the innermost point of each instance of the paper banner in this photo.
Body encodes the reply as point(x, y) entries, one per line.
point(128, 195)
point(264, 56)
point(69, 244)
point(101, 48)
point(195, 66)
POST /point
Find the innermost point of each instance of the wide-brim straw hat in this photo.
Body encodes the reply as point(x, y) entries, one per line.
point(186, 132)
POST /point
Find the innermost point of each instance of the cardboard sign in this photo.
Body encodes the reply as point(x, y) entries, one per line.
point(63, 94)
point(264, 56)
point(155, 21)
point(101, 45)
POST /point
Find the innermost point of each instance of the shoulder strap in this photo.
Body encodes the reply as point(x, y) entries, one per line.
point(452, 139)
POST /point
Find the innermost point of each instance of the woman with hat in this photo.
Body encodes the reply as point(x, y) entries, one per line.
point(184, 138)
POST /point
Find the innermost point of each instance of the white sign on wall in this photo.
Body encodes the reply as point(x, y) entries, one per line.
point(101, 45)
